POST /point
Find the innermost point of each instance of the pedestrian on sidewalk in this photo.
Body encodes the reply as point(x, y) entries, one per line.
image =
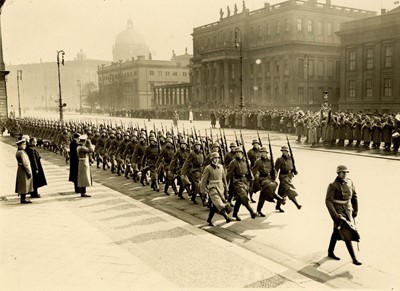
point(84, 178)
point(191, 116)
point(73, 161)
point(342, 203)
point(24, 182)
point(39, 179)
point(175, 118)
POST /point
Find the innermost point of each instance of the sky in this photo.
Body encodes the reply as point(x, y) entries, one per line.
point(34, 30)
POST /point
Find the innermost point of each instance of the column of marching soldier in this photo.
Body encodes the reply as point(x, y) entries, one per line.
point(222, 175)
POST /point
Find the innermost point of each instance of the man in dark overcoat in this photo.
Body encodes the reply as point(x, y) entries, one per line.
point(74, 161)
point(39, 179)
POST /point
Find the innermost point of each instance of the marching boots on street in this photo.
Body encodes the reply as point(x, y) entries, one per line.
point(284, 165)
point(238, 170)
point(24, 181)
point(213, 181)
point(341, 201)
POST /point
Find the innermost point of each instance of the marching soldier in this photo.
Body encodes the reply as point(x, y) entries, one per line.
point(120, 153)
point(284, 166)
point(176, 166)
point(100, 149)
point(238, 172)
point(265, 175)
point(341, 201)
point(137, 159)
point(213, 181)
point(192, 169)
point(107, 146)
point(149, 163)
point(254, 154)
point(229, 157)
point(130, 148)
point(163, 162)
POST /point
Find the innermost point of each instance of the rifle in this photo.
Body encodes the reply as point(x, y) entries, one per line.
point(201, 145)
point(207, 143)
point(259, 139)
point(184, 131)
point(237, 141)
point(195, 133)
point(291, 156)
point(249, 172)
point(147, 136)
point(222, 152)
point(226, 144)
point(158, 138)
point(162, 128)
point(272, 159)
point(212, 140)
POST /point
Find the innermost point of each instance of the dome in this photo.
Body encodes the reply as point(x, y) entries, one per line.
point(129, 43)
point(130, 36)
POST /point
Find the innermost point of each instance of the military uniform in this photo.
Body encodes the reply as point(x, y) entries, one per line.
point(192, 168)
point(163, 162)
point(149, 164)
point(176, 168)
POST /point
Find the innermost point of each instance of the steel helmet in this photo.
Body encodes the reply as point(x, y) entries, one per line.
point(342, 168)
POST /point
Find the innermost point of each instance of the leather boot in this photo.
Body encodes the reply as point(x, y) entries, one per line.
point(331, 248)
point(128, 170)
point(24, 200)
point(278, 207)
point(296, 203)
point(211, 215)
point(351, 252)
point(142, 180)
point(260, 205)
point(173, 185)
point(252, 213)
point(166, 186)
point(226, 216)
point(236, 210)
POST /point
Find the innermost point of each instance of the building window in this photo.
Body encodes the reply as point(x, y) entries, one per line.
point(251, 71)
point(286, 89)
point(251, 32)
point(319, 28)
point(330, 69)
point(160, 73)
point(300, 67)
point(151, 73)
point(233, 71)
point(167, 73)
point(268, 29)
point(311, 68)
point(310, 26)
point(277, 68)
point(300, 25)
point(259, 71)
point(329, 29)
point(300, 93)
point(184, 74)
point(368, 87)
point(259, 32)
point(320, 68)
point(174, 73)
point(370, 59)
point(268, 91)
point(337, 69)
point(352, 88)
point(277, 27)
point(276, 90)
point(388, 57)
point(352, 60)
point(337, 27)
point(388, 87)
point(287, 25)
point(286, 67)
point(268, 69)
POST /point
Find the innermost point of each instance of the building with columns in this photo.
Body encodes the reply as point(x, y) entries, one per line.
point(290, 54)
point(370, 64)
point(173, 96)
point(130, 84)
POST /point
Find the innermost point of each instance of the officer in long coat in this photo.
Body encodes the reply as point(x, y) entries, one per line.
point(213, 181)
point(74, 161)
point(39, 179)
point(24, 181)
point(84, 178)
point(342, 203)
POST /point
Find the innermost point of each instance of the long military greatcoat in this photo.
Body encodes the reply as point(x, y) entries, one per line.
point(24, 181)
point(213, 180)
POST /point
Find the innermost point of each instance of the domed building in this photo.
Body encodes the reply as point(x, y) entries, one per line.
point(129, 43)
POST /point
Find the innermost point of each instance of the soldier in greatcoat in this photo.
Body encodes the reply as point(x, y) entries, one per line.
point(176, 167)
point(342, 203)
point(24, 181)
point(213, 181)
point(148, 163)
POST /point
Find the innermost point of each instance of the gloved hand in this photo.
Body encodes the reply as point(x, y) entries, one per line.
point(354, 214)
point(295, 172)
point(29, 176)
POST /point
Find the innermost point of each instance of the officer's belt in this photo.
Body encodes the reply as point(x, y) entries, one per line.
point(343, 202)
point(239, 176)
point(215, 181)
point(284, 172)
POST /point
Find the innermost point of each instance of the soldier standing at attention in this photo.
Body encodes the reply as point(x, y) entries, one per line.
point(238, 170)
point(341, 201)
point(284, 166)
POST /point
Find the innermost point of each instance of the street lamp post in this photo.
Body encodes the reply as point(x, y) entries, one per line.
point(19, 77)
point(306, 65)
point(60, 105)
point(238, 44)
point(80, 95)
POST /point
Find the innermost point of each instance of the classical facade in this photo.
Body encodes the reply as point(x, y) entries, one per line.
point(39, 84)
point(129, 44)
point(370, 66)
point(290, 54)
point(130, 84)
point(3, 74)
point(174, 95)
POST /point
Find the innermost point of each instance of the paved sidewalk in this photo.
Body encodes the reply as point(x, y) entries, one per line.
point(113, 241)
